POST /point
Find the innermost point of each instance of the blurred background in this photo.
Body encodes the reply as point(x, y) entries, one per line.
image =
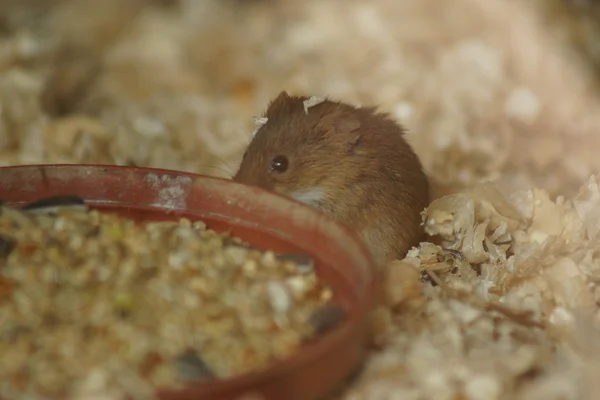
point(502, 90)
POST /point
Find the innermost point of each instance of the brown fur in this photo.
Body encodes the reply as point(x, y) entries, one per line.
point(373, 180)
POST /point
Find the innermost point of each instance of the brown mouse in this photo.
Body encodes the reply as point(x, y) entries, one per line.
point(352, 163)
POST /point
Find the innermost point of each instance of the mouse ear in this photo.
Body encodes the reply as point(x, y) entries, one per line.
point(278, 103)
point(283, 96)
point(340, 122)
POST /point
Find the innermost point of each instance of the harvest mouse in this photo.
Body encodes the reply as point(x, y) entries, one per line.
point(352, 163)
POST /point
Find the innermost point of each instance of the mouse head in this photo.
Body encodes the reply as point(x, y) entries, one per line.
point(302, 148)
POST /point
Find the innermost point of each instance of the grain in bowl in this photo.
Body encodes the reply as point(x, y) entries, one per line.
point(93, 303)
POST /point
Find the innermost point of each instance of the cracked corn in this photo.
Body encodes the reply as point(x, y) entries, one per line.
point(91, 302)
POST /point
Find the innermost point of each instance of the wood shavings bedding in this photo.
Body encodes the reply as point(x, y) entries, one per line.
point(536, 285)
point(501, 302)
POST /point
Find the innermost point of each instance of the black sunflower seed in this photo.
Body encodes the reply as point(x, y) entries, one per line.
point(191, 367)
point(7, 245)
point(326, 318)
point(54, 203)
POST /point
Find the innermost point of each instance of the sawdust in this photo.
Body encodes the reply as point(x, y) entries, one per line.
point(501, 302)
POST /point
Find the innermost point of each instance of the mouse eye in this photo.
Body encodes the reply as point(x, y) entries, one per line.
point(279, 164)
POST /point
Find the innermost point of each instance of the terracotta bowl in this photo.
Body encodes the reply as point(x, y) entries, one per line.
point(263, 219)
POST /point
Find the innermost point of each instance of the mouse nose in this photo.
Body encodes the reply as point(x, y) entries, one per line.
point(248, 178)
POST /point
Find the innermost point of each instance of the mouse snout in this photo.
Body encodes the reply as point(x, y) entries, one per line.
point(248, 178)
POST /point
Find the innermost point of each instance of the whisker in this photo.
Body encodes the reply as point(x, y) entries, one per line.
point(231, 170)
point(216, 167)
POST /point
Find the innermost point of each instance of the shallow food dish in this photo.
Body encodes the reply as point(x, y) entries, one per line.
point(264, 220)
